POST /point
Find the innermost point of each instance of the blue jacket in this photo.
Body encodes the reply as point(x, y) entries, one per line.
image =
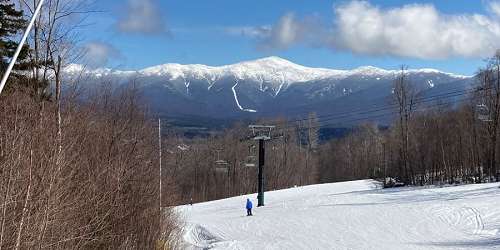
point(249, 204)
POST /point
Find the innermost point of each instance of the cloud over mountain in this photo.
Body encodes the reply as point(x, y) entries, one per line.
point(98, 54)
point(142, 17)
point(414, 30)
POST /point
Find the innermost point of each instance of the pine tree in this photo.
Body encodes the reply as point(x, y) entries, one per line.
point(12, 24)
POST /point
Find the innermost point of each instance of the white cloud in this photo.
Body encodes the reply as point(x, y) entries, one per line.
point(260, 32)
point(285, 33)
point(99, 54)
point(494, 7)
point(142, 17)
point(415, 30)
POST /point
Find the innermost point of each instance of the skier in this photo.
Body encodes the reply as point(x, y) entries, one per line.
point(249, 207)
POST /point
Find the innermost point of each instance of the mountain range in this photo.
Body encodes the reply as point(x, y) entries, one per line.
point(274, 87)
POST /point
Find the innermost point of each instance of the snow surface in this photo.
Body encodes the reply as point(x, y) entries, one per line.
point(272, 69)
point(351, 215)
point(238, 102)
point(269, 69)
point(431, 83)
point(277, 72)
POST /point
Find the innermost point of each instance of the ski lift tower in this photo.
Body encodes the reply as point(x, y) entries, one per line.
point(262, 134)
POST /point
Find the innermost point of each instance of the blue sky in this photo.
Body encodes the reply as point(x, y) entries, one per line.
point(450, 35)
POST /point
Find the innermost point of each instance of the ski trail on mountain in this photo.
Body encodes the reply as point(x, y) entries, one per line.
point(238, 102)
point(351, 215)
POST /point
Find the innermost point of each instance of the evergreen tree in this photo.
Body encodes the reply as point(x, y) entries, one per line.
point(13, 24)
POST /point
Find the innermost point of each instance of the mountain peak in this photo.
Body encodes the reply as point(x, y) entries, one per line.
point(274, 59)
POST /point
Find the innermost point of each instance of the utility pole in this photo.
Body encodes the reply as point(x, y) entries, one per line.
point(261, 134)
point(20, 46)
point(159, 144)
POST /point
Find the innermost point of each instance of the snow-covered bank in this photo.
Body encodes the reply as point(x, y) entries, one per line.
point(351, 215)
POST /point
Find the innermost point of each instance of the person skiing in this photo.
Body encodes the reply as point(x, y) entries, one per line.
point(249, 207)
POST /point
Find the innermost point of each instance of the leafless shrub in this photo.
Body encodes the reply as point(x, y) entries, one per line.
point(98, 192)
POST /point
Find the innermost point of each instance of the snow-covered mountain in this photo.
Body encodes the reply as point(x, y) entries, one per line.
point(267, 87)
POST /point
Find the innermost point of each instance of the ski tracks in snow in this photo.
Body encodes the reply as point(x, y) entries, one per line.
point(352, 216)
point(466, 219)
point(477, 220)
point(198, 237)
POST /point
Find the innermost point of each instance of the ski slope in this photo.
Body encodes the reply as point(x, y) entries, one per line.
point(351, 215)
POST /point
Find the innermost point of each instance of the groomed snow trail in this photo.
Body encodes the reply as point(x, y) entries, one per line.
point(351, 215)
point(238, 102)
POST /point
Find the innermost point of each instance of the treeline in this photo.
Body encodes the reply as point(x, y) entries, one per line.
point(436, 144)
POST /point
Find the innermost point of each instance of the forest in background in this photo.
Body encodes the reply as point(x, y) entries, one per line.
point(440, 143)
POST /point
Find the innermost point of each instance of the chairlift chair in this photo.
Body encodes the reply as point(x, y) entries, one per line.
point(222, 166)
point(251, 158)
point(221, 162)
point(483, 113)
point(250, 162)
point(222, 169)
